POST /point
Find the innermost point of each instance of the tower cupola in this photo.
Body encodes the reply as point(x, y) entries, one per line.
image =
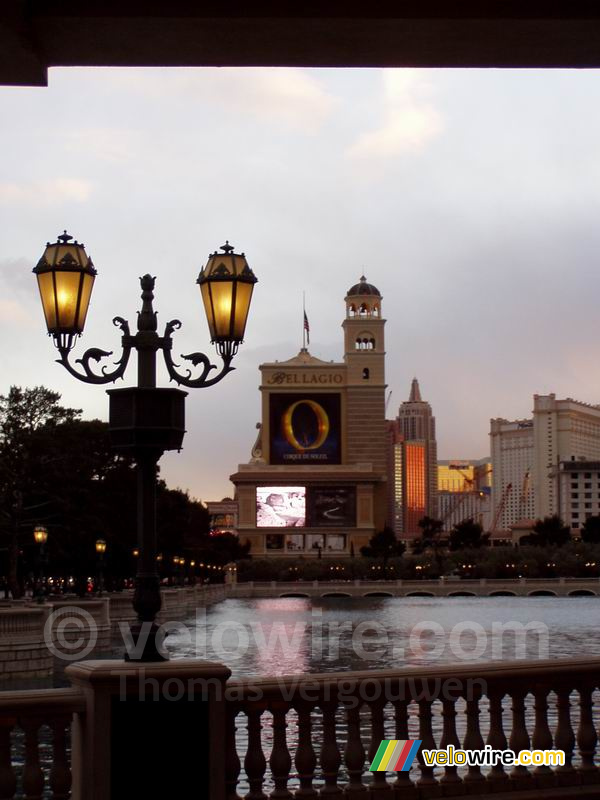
point(363, 300)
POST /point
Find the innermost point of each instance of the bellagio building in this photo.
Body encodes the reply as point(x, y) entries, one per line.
point(316, 483)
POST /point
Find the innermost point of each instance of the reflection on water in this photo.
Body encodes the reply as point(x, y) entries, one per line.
point(271, 637)
point(279, 636)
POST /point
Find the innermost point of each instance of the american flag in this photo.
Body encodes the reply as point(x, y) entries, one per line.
point(307, 328)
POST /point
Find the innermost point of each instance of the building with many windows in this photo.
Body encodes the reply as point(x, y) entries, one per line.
point(578, 492)
point(526, 455)
point(464, 491)
point(412, 466)
point(316, 483)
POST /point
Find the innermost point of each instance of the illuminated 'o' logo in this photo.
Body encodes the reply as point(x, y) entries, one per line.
point(322, 425)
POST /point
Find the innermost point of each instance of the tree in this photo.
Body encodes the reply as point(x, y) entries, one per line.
point(467, 534)
point(28, 417)
point(590, 533)
point(384, 545)
point(61, 471)
point(548, 532)
point(431, 539)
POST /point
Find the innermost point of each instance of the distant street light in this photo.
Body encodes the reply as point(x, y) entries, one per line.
point(144, 420)
point(40, 535)
point(100, 550)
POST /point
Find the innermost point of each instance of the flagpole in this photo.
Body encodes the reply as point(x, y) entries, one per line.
point(303, 318)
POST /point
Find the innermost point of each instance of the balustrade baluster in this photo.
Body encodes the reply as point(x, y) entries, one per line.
point(519, 739)
point(565, 738)
point(60, 774)
point(497, 738)
point(380, 787)
point(403, 785)
point(473, 738)
point(330, 753)
point(427, 778)
point(280, 760)
point(8, 779)
point(33, 777)
point(586, 736)
point(354, 755)
point(451, 778)
point(306, 759)
point(232, 760)
point(255, 763)
point(542, 737)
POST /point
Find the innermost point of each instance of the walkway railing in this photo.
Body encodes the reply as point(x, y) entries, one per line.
point(35, 731)
point(309, 736)
point(316, 735)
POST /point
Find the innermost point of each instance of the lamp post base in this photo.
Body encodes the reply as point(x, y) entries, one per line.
point(145, 643)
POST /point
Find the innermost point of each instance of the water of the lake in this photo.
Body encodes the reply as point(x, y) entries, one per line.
point(279, 636)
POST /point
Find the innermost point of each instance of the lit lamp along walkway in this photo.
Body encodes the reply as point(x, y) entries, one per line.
point(144, 420)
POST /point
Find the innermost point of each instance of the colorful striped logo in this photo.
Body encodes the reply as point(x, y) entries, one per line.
point(395, 755)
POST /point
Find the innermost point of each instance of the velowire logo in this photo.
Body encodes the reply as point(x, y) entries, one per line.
point(395, 755)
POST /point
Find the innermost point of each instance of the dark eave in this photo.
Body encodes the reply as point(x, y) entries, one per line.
point(38, 34)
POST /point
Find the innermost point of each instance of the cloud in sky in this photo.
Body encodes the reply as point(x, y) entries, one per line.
point(288, 96)
point(40, 193)
point(485, 246)
point(106, 144)
point(410, 120)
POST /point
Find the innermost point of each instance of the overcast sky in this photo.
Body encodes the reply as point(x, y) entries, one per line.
point(470, 198)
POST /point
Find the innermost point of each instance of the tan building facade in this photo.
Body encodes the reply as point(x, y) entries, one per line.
point(526, 455)
point(316, 483)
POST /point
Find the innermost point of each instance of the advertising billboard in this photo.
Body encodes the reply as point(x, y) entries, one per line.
point(305, 429)
point(280, 506)
point(331, 507)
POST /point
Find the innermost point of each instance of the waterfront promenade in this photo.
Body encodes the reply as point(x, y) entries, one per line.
point(304, 735)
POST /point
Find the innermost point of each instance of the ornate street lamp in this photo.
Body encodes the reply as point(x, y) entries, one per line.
point(144, 420)
point(40, 535)
point(65, 275)
point(100, 551)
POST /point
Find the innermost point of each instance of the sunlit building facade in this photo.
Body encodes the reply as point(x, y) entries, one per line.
point(464, 491)
point(412, 482)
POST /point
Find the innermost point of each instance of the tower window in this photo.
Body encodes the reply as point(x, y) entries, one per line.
point(365, 341)
point(366, 374)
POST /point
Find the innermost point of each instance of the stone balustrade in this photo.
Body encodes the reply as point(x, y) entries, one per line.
point(23, 651)
point(314, 735)
point(438, 587)
point(25, 635)
point(35, 753)
point(309, 736)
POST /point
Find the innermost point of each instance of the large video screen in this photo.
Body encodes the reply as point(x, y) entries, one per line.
point(280, 506)
point(305, 429)
point(331, 507)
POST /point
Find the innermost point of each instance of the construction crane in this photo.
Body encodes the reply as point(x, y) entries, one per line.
point(461, 498)
point(387, 402)
point(524, 493)
point(501, 505)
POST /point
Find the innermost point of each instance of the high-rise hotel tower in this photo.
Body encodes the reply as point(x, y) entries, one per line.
point(412, 493)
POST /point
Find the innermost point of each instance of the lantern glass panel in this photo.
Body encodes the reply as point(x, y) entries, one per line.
point(242, 307)
point(84, 303)
point(46, 287)
point(221, 293)
point(67, 295)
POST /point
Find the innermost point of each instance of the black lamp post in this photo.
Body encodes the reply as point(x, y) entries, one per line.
point(144, 421)
point(40, 534)
point(100, 550)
